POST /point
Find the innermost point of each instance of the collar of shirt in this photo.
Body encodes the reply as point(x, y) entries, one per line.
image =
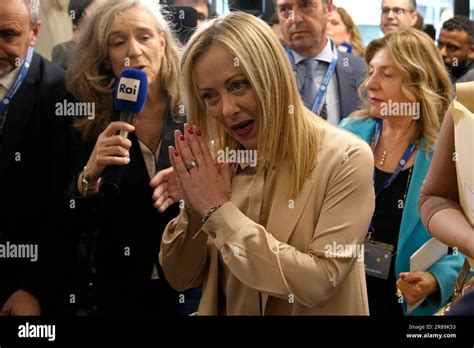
point(250, 168)
point(7, 81)
point(325, 55)
point(244, 169)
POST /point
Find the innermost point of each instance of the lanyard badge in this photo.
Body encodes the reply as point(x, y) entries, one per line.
point(403, 160)
point(377, 255)
point(318, 99)
point(16, 86)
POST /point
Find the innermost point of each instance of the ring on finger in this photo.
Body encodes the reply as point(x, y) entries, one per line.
point(191, 164)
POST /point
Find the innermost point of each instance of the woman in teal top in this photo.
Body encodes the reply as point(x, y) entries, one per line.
point(407, 94)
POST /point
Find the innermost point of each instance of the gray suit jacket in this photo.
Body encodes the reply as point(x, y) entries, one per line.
point(350, 72)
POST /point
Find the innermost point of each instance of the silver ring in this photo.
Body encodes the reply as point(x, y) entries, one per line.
point(191, 164)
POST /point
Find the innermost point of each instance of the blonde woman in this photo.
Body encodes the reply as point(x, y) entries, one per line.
point(408, 92)
point(343, 30)
point(278, 236)
point(120, 34)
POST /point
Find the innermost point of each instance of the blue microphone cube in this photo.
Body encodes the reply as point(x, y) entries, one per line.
point(131, 91)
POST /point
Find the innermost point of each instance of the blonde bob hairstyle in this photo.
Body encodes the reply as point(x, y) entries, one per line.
point(89, 77)
point(288, 133)
point(417, 59)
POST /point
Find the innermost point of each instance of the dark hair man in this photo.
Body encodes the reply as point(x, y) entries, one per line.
point(456, 45)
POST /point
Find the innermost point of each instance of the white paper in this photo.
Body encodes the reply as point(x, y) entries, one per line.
point(425, 257)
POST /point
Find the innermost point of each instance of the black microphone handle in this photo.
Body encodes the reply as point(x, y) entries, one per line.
point(127, 117)
point(114, 174)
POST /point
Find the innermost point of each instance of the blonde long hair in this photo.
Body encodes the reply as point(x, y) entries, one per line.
point(288, 133)
point(417, 59)
point(90, 80)
point(356, 39)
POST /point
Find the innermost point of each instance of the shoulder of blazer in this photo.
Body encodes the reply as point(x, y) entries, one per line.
point(334, 144)
point(43, 87)
point(351, 64)
point(44, 72)
point(49, 82)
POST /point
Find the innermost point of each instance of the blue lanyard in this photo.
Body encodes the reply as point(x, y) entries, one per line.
point(403, 160)
point(318, 99)
point(11, 93)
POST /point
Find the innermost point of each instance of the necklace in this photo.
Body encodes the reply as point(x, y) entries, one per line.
point(385, 153)
point(382, 161)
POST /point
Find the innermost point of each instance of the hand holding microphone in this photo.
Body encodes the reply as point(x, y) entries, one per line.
point(112, 146)
point(110, 149)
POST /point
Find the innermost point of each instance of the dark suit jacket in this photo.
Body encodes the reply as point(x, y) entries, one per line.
point(129, 232)
point(33, 176)
point(62, 54)
point(350, 71)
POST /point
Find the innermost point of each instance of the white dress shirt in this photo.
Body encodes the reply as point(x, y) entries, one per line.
point(7, 81)
point(331, 98)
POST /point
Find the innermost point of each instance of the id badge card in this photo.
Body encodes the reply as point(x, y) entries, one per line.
point(377, 259)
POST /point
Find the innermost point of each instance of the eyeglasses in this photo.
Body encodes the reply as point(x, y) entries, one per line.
point(305, 7)
point(397, 11)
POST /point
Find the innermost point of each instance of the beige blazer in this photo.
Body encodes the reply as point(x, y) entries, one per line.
point(294, 257)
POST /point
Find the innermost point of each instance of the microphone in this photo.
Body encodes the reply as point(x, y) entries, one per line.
point(130, 95)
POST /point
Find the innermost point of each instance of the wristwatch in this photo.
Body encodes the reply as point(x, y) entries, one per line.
point(87, 186)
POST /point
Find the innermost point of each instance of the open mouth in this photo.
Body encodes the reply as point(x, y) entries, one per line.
point(244, 128)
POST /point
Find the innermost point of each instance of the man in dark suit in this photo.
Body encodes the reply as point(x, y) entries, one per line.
point(33, 169)
point(328, 85)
